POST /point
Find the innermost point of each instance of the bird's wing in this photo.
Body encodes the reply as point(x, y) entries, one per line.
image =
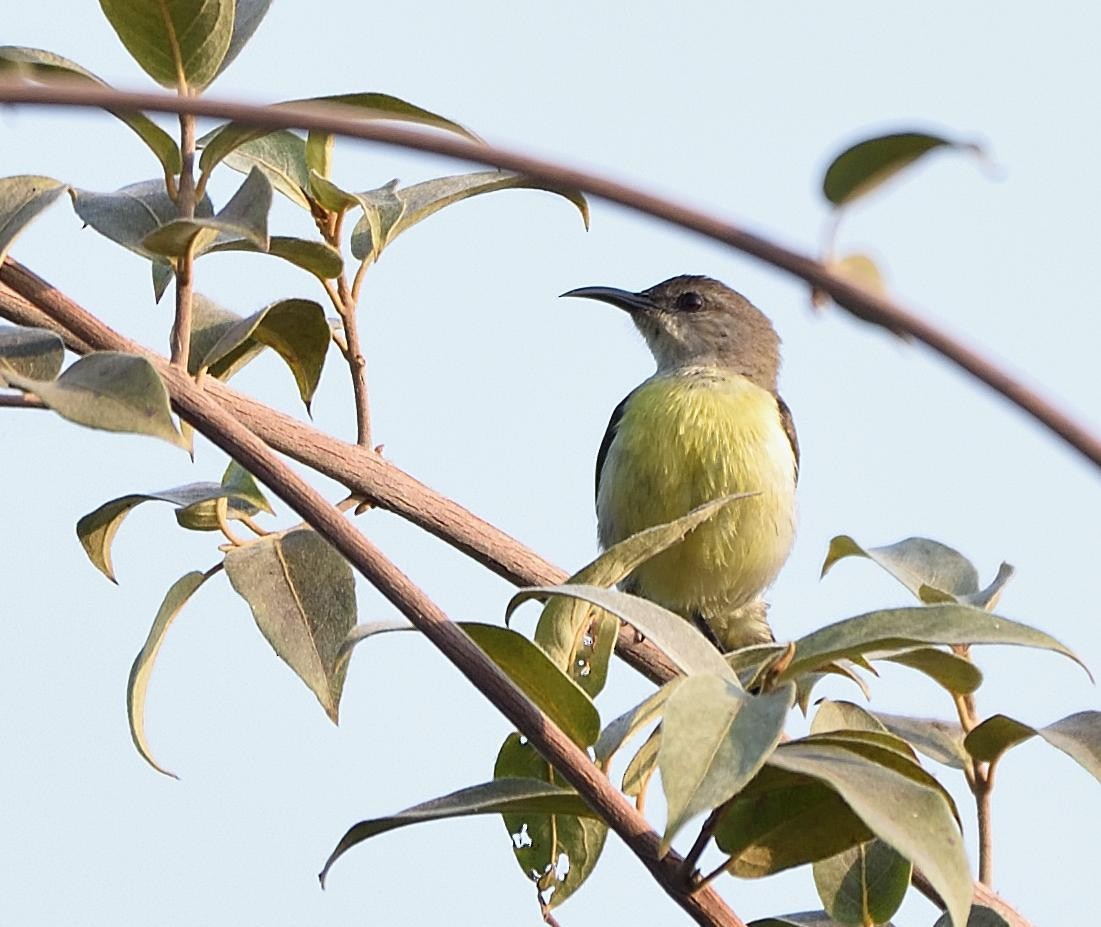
point(609, 436)
point(789, 429)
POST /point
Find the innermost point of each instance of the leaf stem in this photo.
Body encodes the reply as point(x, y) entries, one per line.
point(688, 868)
point(185, 202)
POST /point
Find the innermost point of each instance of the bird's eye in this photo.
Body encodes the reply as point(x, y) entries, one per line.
point(690, 301)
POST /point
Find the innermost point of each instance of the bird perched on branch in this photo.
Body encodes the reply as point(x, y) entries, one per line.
point(707, 424)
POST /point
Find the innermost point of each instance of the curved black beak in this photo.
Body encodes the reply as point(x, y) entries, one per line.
point(624, 299)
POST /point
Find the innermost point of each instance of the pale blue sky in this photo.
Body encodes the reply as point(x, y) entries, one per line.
point(490, 389)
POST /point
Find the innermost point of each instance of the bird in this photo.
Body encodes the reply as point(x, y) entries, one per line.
point(708, 423)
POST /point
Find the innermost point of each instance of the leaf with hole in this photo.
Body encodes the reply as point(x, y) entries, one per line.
point(369, 107)
point(906, 628)
point(295, 329)
point(36, 353)
point(302, 595)
point(45, 67)
point(109, 391)
point(179, 43)
point(22, 198)
point(863, 167)
point(497, 797)
point(244, 216)
point(138, 684)
point(557, 851)
point(715, 738)
point(1077, 735)
point(864, 884)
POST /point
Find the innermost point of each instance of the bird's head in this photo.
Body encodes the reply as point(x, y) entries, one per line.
point(693, 321)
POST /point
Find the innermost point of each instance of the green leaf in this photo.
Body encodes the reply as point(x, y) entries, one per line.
point(369, 107)
point(247, 15)
point(956, 674)
point(844, 716)
point(800, 919)
point(866, 165)
point(540, 840)
point(900, 804)
point(318, 258)
point(137, 685)
point(618, 731)
point(579, 637)
point(45, 67)
point(35, 353)
point(497, 797)
point(22, 198)
point(914, 562)
point(295, 329)
point(244, 216)
point(382, 209)
point(863, 885)
point(179, 43)
point(162, 276)
point(558, 696)
point(421, 200)
point(906, 628)
point(1077, 735)
point(327, 193)
point(782, 820)
point(637, 775)
point(302, 595)
point(686, 647)
point(281, 155)
point(109, 391)
point(715, 737)
point(319, 153)
point(939, 740)
point(96, 530)
point(244, 499)
point(979, 917)
point(128, 215)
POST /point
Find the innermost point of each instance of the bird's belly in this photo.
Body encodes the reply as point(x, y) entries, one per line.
point(685, 440)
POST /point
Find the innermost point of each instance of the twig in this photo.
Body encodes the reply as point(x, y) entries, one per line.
point(21, 401)
point(688, 869)
point(185, 263)
point(864, 304)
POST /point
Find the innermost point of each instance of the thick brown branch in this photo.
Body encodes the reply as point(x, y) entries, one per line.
point(359, 468)
point(860, 302)
point(223, 429)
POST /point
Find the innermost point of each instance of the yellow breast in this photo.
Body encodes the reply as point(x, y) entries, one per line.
point(685, 439)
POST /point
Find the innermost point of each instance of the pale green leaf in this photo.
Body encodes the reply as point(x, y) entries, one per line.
point(906, 628)
point(843, 716)
point(800, 919)
point(328, 194)
point(558, 696)
point(281, 155)
point(244, 216)
point(1077, 735)
point(861, 270)
point(162, 276)
point(914, 562)
point(866, 165)
point(318, 258)
point(618, 731)
point(138, 684)
point(109, 391)
point(863, 885)
point(899, 803)
point(540, 840)
point(939, 740)
point(302, 595)
point(45, 67)
point(381, 211)
point(715, 737)
point(22, 198)
point(366, 106)
point(319, 153)
point(496, 797)
point(689, 650)
point(637, 775)
point(955, 673)
point(980, 916)
point(247, 15)
point(36, 353)
point(295, 329)
point(243, 496)
point(179, 43)
point(96, 530)
point(128, 215)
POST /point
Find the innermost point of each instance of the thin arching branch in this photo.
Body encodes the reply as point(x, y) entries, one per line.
point(863, 303)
